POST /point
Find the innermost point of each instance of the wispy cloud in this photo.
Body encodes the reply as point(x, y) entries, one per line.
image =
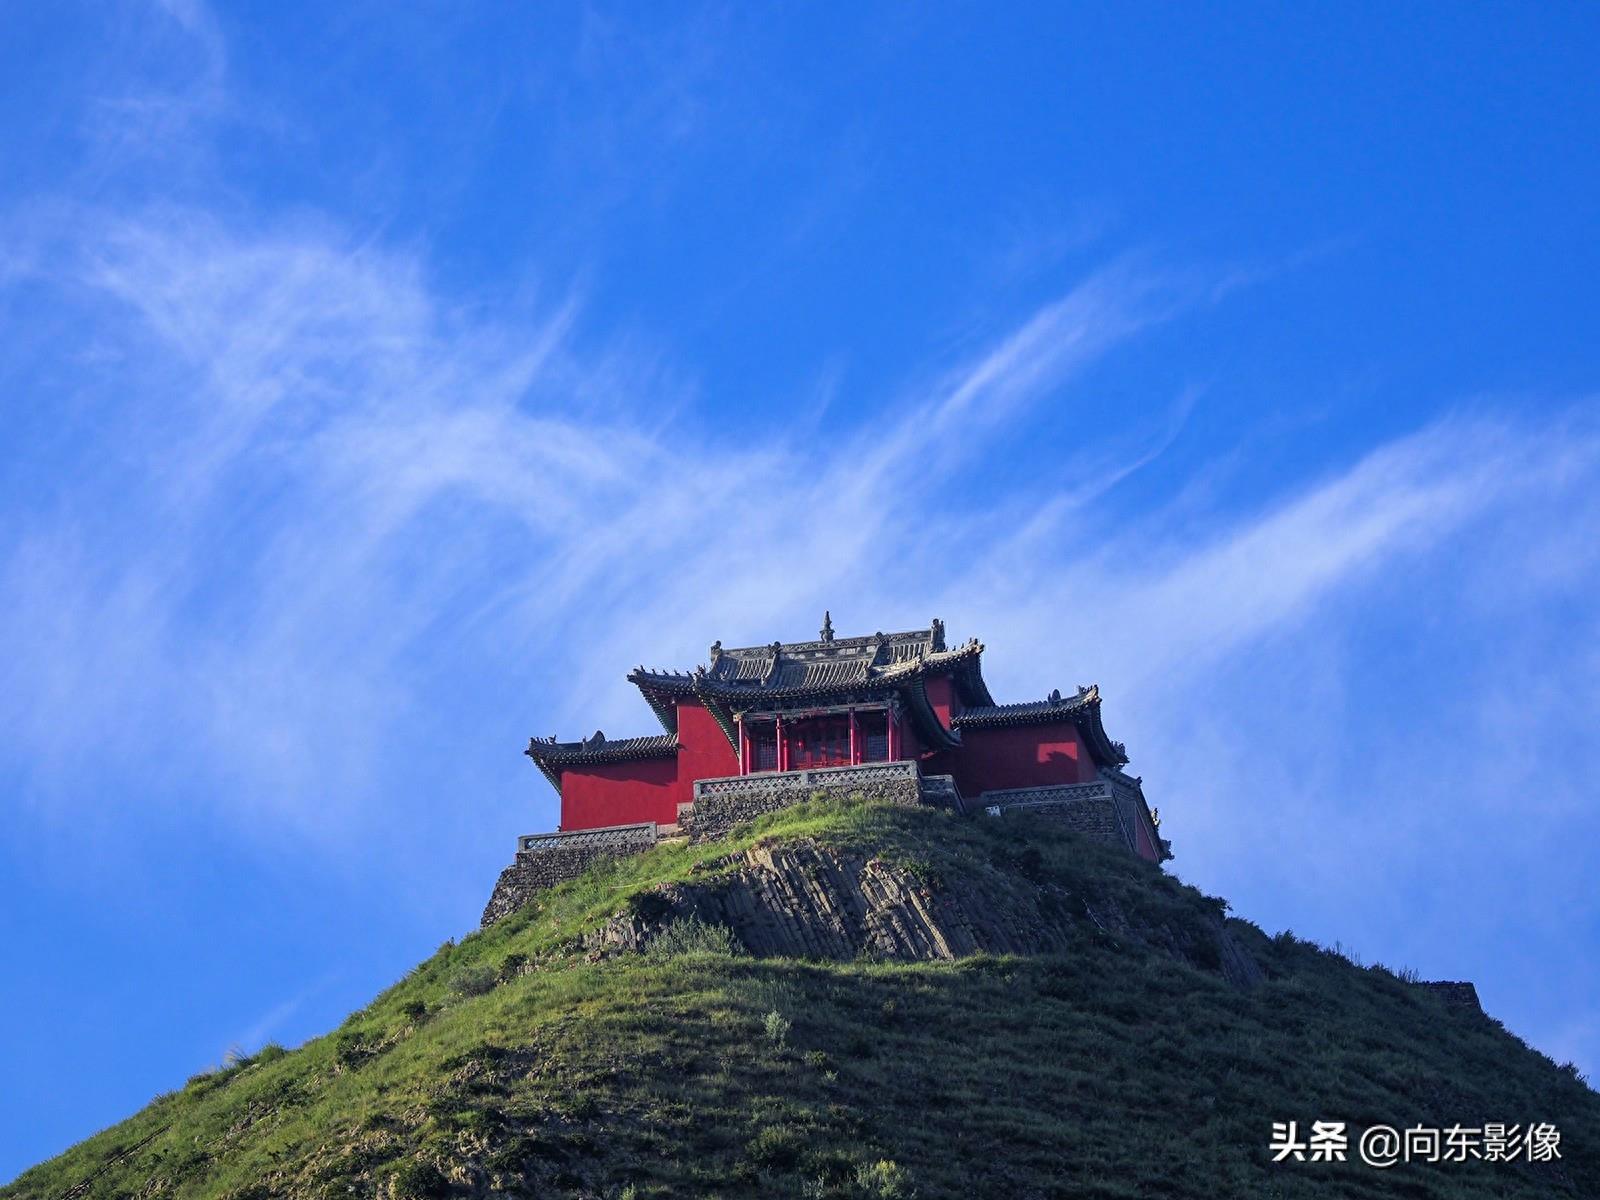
point(319, 463)
point(272, 1022)
point(305, 463)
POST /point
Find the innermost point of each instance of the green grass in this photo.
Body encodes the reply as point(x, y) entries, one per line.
point(509, 1064)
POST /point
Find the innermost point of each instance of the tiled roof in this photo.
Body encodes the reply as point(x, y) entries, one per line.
point(900, 664)
point(785, 670)
point(598, 749)
point(827, 662)
point(1056, 708)
point(550, 756)
point(1082, 709)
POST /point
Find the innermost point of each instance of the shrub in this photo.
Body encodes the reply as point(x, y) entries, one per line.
point(886, 1179)
point(472, 981)
point(271, 1052)
point(352, 1047)
point(511, 966)
point(881, 1180)
point(776, 1146)
point(777, 1027)
point(414, 1011)
point(921, 868)
point(692, 936)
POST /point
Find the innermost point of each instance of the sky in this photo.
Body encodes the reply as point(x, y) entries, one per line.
point(381, 383)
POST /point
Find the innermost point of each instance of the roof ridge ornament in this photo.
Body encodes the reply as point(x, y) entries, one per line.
point(936, 632)
point(827, 626)
point(876, 642)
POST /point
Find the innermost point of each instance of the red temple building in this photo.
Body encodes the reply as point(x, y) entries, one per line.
point(899, 716)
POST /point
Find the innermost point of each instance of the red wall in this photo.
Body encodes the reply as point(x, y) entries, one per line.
point(1017, 756)
point(942, 697)
point(649, 789)
point(619, 793)
point(703, 749)
point(1146, 848)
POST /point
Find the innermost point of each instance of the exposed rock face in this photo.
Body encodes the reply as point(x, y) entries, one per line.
point(804, 900)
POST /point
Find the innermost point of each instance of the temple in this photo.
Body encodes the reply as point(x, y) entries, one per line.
point(899, 716)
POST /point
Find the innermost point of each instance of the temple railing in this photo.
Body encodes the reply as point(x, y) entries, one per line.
point(864, 775)
point(1007, 799)
point(640, 836)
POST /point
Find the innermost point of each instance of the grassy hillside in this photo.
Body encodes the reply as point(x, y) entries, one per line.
point(518, 1063)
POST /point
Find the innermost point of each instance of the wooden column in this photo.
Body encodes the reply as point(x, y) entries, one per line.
point(744, 748)
point(783, 746)
point(891, 732)
point(855, 739)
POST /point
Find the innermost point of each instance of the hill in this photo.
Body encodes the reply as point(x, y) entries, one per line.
point(856, 1001)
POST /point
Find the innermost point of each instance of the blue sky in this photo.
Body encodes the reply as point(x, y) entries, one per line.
point(381, 386)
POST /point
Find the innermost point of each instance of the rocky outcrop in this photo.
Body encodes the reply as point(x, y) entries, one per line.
point(800, 899)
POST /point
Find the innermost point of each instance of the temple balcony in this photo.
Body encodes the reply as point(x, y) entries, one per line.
point(817, 778)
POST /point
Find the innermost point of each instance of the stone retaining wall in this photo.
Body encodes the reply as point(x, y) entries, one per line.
point(1089, 809)
point(1454, 993)
point(716, 813)
point(544, 860)
point(940, 791)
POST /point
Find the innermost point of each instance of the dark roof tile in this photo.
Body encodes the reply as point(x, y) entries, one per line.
point(598, 749)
